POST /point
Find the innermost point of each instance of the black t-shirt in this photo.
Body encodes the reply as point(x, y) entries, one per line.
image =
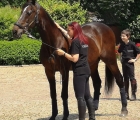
point(129, 50)
point(81, 66)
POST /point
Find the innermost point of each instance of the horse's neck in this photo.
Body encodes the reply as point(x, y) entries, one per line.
point(49, 32)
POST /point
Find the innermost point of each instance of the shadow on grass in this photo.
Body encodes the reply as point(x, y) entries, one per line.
point(110, 98)
point(59, 117)
point(75, 116)
point(116, 99)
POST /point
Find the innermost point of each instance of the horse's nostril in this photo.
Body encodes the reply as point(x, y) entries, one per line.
point(14, 32)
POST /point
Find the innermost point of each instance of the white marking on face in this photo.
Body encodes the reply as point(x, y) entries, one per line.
point(23, 12)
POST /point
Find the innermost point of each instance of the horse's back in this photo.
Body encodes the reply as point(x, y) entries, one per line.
point(96, 29)
point(101, 39)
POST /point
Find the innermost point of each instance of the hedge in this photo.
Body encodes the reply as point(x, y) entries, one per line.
point(19, 52)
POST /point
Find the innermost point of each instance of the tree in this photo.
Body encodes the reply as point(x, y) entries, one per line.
point(124, 12)
point(12, 3)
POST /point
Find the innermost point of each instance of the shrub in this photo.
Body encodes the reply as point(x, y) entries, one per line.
point(19, 52)
point(116, 51)
point(7, 19)
point(64, 12)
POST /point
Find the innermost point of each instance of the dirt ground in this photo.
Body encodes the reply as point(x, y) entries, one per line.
point(25, 95)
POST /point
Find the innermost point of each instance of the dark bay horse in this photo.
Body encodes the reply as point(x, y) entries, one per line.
point(101, 47)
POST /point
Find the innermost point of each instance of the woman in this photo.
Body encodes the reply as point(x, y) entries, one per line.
point(78, 57)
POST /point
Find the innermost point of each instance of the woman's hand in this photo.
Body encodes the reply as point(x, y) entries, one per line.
point(132, 61)
point(57, 24)
point(74, 57)
point(60, 52)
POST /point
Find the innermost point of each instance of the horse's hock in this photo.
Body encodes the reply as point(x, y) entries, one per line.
point(25, 95)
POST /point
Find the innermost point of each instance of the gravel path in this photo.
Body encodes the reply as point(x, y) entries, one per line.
point(25, 96)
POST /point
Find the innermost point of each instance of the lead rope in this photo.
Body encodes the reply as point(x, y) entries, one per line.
point(60, 73)
point(61, 80)
point(52, 56)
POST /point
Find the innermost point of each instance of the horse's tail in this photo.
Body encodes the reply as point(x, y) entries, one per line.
point(109, 81)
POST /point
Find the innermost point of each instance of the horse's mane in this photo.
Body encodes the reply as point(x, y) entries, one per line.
point(47, 14)
point(53, 22)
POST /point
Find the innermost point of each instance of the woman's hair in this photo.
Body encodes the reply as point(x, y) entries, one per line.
point(77, 32)
point(127, 32)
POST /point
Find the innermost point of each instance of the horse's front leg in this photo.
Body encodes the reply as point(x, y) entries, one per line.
point(64, 94)
point(52, 83)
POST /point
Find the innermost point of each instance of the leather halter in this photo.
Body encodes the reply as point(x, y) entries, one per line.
point(34, 20)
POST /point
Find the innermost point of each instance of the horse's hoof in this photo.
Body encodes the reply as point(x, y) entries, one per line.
point(65, 117)
point(124, 113)
point(52, 118)
point(96, 104)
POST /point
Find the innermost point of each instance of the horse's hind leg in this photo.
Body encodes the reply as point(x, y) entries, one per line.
point(52, 83)
point(96, 83)
point(64, 95)
point(97, 86)
point(119, 80)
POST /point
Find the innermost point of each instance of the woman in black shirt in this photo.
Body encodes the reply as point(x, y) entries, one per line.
point(78, 56)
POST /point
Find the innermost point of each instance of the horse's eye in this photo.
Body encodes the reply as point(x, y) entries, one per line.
point(29, 12)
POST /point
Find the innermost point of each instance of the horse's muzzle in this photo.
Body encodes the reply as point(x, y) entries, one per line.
point(17, 33)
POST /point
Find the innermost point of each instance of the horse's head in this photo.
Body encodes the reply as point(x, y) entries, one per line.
point(27, 19)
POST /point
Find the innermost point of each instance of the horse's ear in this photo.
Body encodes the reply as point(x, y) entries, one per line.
point(32, 1)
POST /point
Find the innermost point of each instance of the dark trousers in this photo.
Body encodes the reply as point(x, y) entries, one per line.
point(82, 93)
point(128, 71)
point(81, 86)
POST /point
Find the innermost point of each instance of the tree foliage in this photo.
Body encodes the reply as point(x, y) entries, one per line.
point(7, 21)
point(64, 12)
point(124, 12)
point(12, 3)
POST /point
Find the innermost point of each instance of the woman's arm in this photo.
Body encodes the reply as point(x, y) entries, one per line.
point(63, 30)
point(74, 57)
point(138, 56)
point(134, 60)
